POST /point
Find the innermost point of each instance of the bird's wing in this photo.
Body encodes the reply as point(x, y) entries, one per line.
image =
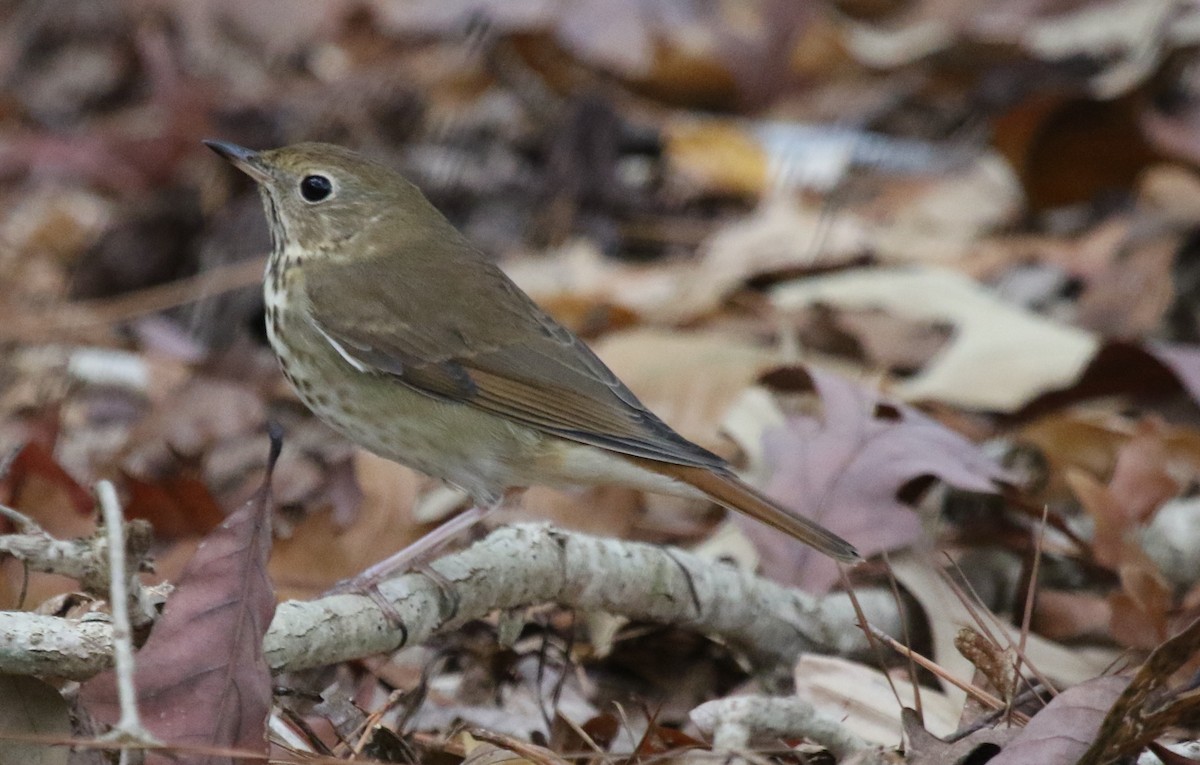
point(489, 347)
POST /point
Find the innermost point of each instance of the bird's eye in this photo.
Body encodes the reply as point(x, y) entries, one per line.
point(315, 188)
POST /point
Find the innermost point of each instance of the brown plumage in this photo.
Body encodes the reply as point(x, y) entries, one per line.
point(402, 335)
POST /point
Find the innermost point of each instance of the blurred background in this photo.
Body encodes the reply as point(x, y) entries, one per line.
point(985, 209)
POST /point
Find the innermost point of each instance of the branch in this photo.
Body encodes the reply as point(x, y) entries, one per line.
point(513, 567)
point(86, 560)
point(735, 722)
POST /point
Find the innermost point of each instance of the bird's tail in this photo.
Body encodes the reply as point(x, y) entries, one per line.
point(729, 491)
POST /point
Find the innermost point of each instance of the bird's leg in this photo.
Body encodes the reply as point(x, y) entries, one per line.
point(416, 556)
point(413, 555)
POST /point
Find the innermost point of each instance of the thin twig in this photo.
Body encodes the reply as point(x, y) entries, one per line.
point(977, 614)
point(1035, 569)
point(129, 726)
point(980, 695)
point(24, 523)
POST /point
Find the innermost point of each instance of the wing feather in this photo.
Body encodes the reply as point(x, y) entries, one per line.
point(489, 347)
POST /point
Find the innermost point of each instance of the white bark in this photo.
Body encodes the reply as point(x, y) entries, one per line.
point(86, 560)
point(513, 567)
point(734, 723)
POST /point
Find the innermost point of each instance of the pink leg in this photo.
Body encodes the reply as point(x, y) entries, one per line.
point(414, 555)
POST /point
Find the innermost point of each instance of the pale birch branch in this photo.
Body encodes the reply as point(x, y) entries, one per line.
point(514, 566)
point(736, 722)
point(85, 559)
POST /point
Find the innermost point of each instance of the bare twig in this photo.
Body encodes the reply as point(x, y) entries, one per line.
point(129, 728)
point(85, 559)
point(980, 695)
point(736, 721)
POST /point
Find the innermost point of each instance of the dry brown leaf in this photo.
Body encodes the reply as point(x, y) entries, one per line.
point(176, 506)
point(922, 748)
point(862, 699)
point(689, 379)
point(1148, 706)
point(1130, 298)
point(201, 677)
point(498, 749)
point(1140, 609)
point(607, 511)
point(29, 706)
point(1183, 361)
point(845, 466)
point(1068, 616)
point(1074, 440)
point(38, 486)
point(578, 275)
point(1113, 525)
point(319, 552)
point(780, 235)
point(191, 421)
point(1001, 356)
point(1063, 731)
point(717, 156)
point(1142, 479)
point(887, 342)
point(937, 218)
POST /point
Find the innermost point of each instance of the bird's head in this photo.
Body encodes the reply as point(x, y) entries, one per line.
point(319, 197)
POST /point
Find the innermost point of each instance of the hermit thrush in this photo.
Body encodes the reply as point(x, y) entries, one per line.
point(399, 333)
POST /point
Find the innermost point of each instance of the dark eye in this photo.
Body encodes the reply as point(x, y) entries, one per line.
point(315, 188)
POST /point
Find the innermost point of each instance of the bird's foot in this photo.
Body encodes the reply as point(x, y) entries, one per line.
point(416, 556)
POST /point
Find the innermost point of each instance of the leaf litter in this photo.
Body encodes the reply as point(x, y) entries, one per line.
point(898, 208)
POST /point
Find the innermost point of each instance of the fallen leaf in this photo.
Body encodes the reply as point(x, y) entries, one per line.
point(1001, 356)
point(924, 748)
point(605, 510)
point(500, 749)
point(846, 466)
point(1183, 361)
point(1141, 373)
point(1113, 525)
point(717, 156)
point(30, 707)
point(689, 379)
point(1130, 297)
point(578, 275)
point(320, 552)
point(779, 235)
point(201, 677)
point(40, 487)
point(1139, 486)
point(1066, 727)
point(878, 340)
point(937, 218)
point(176, 505)
point(194, 418)
point(1068, 616)
point(861, 698)
point(1074, 439)
point(1148, 706)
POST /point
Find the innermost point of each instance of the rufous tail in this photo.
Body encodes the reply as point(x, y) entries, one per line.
point(727, 490)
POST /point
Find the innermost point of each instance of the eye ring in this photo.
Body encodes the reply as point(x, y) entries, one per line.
point(316, 188)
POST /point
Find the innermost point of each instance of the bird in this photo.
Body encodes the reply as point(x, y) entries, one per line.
point(405, 337)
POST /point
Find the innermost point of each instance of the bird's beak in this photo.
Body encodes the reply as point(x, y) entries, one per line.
point(242, 158)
